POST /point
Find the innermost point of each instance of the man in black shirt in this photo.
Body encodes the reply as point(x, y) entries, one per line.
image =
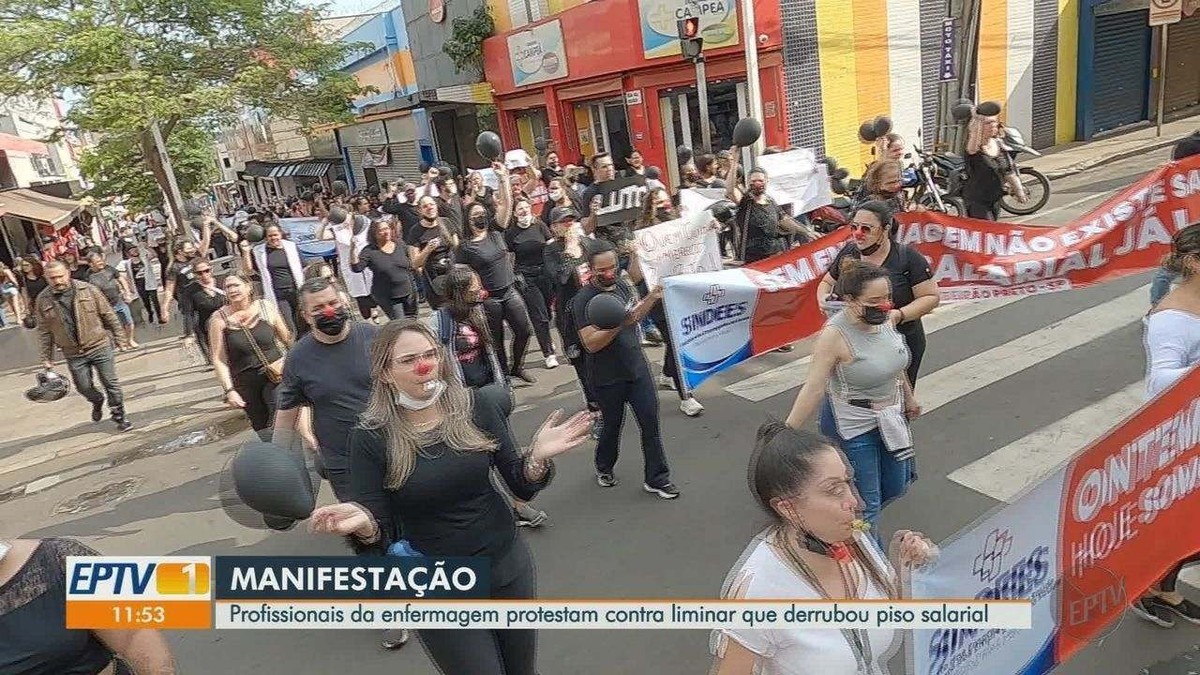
point(619, 374)
point(404, 207)
point(328, 370)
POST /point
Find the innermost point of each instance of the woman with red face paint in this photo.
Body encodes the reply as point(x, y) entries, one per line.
point(914, 293)
point(858, 370)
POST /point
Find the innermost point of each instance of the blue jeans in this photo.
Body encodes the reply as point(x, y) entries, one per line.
point(878, 475)
point(1160, 285)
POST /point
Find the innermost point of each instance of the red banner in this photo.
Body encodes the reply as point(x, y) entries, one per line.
point(977, 259)
point(1130, 512)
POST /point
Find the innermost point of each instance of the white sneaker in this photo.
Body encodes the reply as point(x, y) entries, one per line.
point(690, 407)
point(665, 382)
point(552, 361)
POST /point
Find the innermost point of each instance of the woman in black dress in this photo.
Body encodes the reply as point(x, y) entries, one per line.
point(988, 169)
point(420, 464)
point(391, 270)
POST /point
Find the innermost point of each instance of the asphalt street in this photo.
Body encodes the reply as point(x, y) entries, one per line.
point(1036, 374)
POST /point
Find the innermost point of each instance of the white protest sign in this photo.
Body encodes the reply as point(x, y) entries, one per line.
point(681, 246)
point(692, 200)
point(796, 178)
point(490, 178)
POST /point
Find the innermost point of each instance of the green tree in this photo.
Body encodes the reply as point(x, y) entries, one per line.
point(115, 165)
point(177, 64)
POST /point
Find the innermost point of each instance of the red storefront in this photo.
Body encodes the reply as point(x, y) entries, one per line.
point(592, 87)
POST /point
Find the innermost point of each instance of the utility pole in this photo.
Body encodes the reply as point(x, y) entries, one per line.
point(753, 87)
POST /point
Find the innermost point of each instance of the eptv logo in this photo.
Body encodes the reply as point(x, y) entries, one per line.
point(101, 577)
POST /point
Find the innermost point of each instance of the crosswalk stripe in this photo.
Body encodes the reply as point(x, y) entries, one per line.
point(1004, 473)
point(985, 368)
point(764, 385)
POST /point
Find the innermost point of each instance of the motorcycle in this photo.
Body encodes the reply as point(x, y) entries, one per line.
point(932, 189)
point(1037, 186)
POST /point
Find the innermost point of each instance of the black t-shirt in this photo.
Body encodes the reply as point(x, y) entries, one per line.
point(472, 356)
point(622, 360)
point(33, 618)
point(335, 379)
point(106, 281)
point(407, 213)
point(452, 210)
point(985, 177)
point(137, 269)
point(906, 268)
point(207, 304)
point(33, 287)
point(567, 275)
point(80, 273)
point(489, 258)
point(528, 244)
point(280, 270)
point(392, 272)
point(764, 236)
point(185, 279)
point(448, 506)
point(438, 262)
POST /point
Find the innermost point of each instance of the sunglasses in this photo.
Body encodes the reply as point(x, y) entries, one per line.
point(411, 360)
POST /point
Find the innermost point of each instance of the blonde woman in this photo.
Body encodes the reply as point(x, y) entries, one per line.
point(420, 463)
point(248, 339)
point(989, 169)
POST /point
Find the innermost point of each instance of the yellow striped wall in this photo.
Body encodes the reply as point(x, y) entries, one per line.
point(1066, 91)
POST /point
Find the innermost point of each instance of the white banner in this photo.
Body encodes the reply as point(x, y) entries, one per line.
point(681, 246)
point(1010, 555)
point(795, 177)
point(620, 614)
point(692, 200)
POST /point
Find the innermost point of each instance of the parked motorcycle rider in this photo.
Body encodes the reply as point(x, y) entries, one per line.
point(989, 169)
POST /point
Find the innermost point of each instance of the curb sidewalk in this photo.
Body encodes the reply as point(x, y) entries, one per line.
point(1070, 159)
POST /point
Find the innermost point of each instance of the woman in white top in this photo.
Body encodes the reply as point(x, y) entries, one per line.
point(814, 550)
point(1173, 349)
point(347, 233)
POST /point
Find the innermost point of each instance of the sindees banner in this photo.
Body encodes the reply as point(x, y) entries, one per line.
point(776, 301)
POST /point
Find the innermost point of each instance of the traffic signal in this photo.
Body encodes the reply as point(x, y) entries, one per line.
point(690, 42)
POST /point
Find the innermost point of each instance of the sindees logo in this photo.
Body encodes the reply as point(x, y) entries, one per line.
point(138, 578)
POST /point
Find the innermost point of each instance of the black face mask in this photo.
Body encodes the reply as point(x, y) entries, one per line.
point(663, 215)
point(870, 250)
point(479, 222)
point(332, 323)
point(875, 316)
point(758, 190)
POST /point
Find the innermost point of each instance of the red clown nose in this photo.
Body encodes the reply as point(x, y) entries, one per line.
point(423, 368)
point(329, 312)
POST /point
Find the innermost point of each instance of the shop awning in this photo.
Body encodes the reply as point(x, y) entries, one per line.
point(36, 206)
point(311, 168)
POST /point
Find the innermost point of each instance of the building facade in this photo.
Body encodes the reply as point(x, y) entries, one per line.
point(26, 159)
point(1063, 70)
point(612, 87)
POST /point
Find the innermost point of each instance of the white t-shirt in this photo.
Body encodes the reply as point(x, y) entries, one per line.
point(764, 574)
point(1172, 343)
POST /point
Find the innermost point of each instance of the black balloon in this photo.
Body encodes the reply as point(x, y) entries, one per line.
point(488, 145)
point(746, 132)
point(273, 480)
point(882, 126)
point(866, 132)
point(361, 223)
point(255, 233)
point(988, 108)
point(605, 311)
point(653, 173)
point(684, 154)
point(832, 164)
point(841, 174)
point(539, 144)
point(961, 112)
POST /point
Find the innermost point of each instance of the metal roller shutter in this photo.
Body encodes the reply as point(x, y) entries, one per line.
point(1121, 67)
point(404, 163)
point(356, 168)
point(1183, 64)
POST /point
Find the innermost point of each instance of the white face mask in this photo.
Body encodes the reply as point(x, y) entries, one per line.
point(525, 220)
point(434, 388)
point(556, 194)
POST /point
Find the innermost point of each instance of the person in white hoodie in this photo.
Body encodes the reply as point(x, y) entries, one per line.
point(143, 273)
point(347, 234)
point(276, 261)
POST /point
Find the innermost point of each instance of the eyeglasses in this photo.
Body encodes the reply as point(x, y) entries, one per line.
point(411, 360)
point(860, 227)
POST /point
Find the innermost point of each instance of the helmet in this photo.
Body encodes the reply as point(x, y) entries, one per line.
point(50, 387)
